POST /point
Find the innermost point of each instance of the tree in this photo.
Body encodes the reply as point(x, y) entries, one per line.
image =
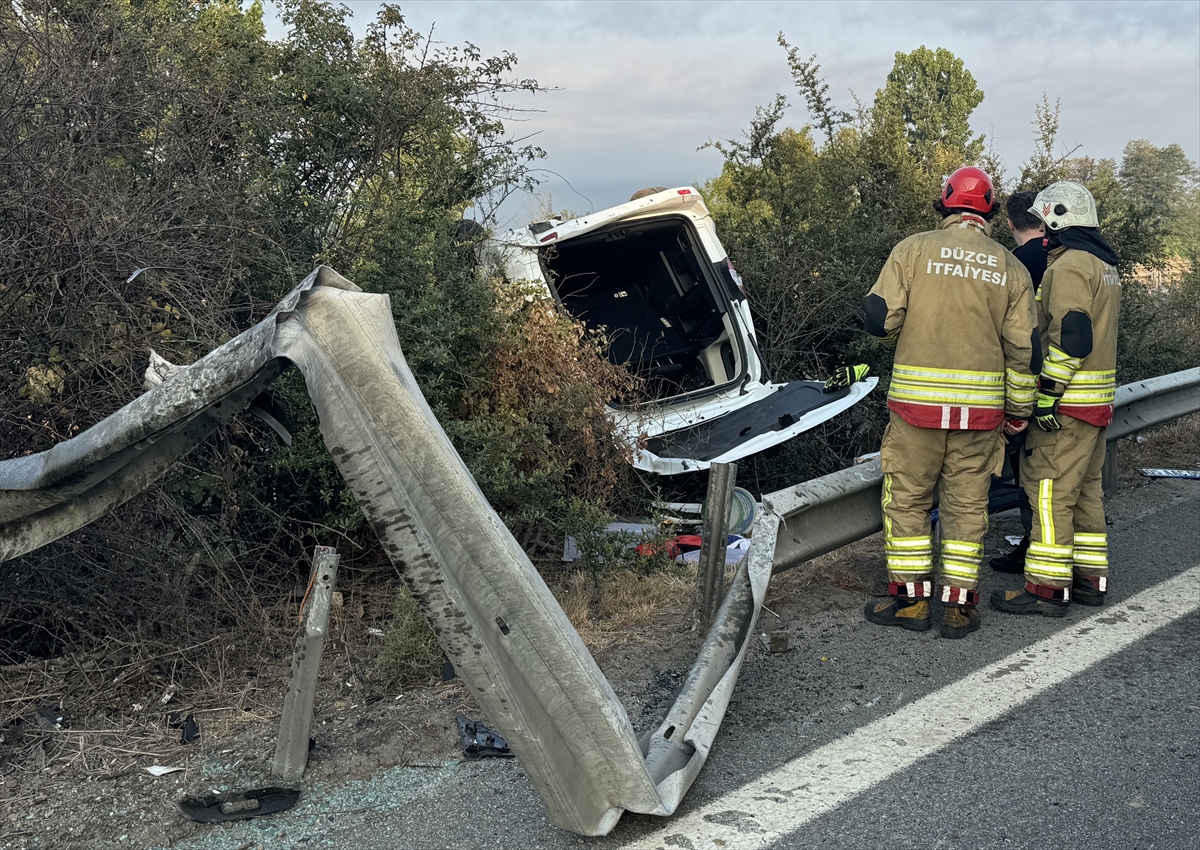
point(806, 74)
point(934, 94)
point(1156, 180)
point(166, 172)
point(809, 219)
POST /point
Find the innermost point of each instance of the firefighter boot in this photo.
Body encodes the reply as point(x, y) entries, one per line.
point(1034, 599)
point(1012, 561)
point(958, 621)
point(911, 614)
point(1089, 590)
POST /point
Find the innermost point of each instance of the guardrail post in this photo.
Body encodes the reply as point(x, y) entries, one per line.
point(710, 572)
point(1109, 475)
point(295, 723)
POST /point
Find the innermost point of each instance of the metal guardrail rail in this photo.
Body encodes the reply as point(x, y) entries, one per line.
point(498, 623)
point(827, 513)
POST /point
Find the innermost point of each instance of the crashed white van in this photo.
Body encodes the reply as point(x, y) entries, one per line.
point(653, 274)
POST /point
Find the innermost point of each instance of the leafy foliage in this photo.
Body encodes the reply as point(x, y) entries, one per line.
point(809, 225)
point(934, 94)
point(410, 655)
point(810, 219)
point(167, 173)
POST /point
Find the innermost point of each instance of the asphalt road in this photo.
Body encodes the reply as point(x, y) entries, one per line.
point(1107, 758)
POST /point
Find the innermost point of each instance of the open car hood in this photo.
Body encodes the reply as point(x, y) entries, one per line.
point(653, 275)
point(723, 433)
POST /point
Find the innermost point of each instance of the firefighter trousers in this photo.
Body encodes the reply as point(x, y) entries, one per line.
point(960, 465)
point(1061, 474)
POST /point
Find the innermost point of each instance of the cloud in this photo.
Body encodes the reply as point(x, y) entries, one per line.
point(643, 85)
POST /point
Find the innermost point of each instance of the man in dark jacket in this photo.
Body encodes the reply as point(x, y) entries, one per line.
point(1029, 231)
point(1030, 234)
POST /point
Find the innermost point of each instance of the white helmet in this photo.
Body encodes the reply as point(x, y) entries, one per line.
point(1065, 204)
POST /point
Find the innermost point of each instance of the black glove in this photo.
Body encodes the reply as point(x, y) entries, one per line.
point(844, 376)
point(1045, 412)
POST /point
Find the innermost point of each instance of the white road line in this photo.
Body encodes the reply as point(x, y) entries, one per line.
point(777, 803)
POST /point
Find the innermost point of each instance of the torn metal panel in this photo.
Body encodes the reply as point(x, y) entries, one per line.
point(499, 625)
point(295, 722)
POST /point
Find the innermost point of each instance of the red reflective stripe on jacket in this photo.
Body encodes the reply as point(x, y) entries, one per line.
point(948, 418)
point(1101, 415)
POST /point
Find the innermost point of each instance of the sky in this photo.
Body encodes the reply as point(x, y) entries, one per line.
point(639, 87)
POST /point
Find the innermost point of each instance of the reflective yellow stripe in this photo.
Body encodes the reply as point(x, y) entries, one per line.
point(961, 559)
point(914, 565)
point(887, 500)
point(1105, 376)
point(941, 399)
point(952, 375)
point(1046, 509)
point(960, 548)
point(1052, 552)
point(924, 542)
point(1037, 568)
point(958, 388)
point(1053, 562)
point(1020, 389)
point(1091, 550)
point(1092, 388)
point(968, 573)
point(1060, 366)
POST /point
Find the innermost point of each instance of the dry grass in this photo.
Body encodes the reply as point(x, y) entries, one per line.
point(123, 696)
point(113, 747)
point(856, 567)
point(1173, 445)
point(622, 603)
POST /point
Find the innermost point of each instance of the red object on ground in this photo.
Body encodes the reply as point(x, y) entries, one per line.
point(648, 550)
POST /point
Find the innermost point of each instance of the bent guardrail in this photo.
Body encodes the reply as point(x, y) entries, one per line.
point(494, 616)
point(827, 513)
point(505, 633)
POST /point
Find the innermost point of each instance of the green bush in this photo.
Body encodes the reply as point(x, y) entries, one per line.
point(809, 216)
point(168, 172)
point(410, 656)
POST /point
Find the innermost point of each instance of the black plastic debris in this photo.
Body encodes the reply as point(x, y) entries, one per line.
point(49, 717)
point(191, 730)
point(14, 732)
point(448, 673)
point(481, 742)
point(214, 808)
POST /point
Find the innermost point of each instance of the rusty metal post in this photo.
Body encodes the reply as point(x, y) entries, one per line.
point(295, 723)
point(710, 572)
point(1109, 474)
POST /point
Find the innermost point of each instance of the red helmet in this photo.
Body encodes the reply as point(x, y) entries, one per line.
point(968, 188)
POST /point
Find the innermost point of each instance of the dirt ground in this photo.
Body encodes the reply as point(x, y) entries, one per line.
point(83, 783)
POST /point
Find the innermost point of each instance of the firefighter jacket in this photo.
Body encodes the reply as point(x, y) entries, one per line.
point(1077, 308)
point(959, 309)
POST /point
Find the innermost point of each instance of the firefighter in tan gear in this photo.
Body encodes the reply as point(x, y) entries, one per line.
point(1077, 309)
point(958, 308)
